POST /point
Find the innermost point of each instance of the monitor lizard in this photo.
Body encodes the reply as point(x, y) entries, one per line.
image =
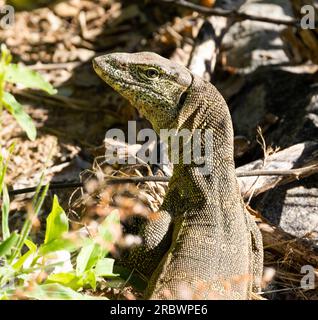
point(202, 243)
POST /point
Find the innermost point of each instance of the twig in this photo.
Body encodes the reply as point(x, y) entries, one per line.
point(53, 186)
point(54, 66)
point(292, 172)
point(281, 290)
point(114, 180)
point(110, 180)
point(57, 100)
point(261, 141)
point(301, 158)
point(236, 15)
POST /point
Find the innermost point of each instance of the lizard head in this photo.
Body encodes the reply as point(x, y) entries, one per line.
point(154, 85)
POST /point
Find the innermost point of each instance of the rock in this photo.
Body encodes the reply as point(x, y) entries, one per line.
point(249, 44)
point(293, 207)
point(290, 99)
point(293, 99)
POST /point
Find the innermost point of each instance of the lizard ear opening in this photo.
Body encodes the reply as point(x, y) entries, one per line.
point(184, 96)
point(182, 99)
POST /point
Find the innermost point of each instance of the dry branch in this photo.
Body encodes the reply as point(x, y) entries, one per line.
point(288, 165)
point(299, 251)
point(290, 175)
point(235, 15)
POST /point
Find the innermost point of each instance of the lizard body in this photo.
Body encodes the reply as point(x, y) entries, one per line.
point(202, 243)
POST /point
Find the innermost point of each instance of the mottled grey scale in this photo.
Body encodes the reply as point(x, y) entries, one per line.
point(202, 240)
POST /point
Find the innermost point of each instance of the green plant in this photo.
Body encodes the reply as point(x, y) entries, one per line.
point(18, 74)
point(46, 271)
point(29, 4)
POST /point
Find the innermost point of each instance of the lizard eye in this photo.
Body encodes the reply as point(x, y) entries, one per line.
point(152, 73)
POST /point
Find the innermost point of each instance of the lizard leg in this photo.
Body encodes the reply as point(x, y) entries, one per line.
point(155, 233)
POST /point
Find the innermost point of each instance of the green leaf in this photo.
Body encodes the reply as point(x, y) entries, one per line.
point(104, 268)
point(90, 279)
point(7, 277)
point(56, 223)
point(16, 73)
point(23, 119)
point(71, 280)
point(55, 291)
point(8, 244)
point(5, 208)
point(18, 265)
point(5, 59)
point(31, 245)
point(96, 254)
point(27, 225)
point(59, 244)
point(62, 278)
point(83, 258)
point(32, 249)
point(4, 166)
point(68, 279)
point(5, 55)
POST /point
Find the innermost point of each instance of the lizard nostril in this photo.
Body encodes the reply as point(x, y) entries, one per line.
point(100, 61)
point(117, 73)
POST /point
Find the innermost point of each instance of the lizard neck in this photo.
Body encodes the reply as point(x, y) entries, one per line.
point(206, 109)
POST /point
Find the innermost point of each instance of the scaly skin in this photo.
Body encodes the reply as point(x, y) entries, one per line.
point(202, 243)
